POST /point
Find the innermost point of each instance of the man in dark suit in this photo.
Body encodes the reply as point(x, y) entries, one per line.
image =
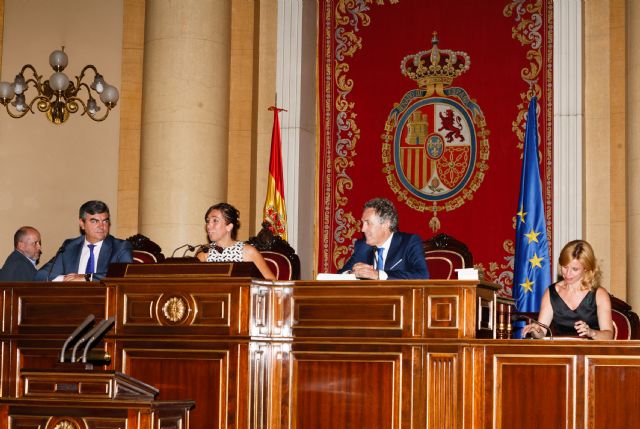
point(385, 253)
point(87, 257)
point(20, 265)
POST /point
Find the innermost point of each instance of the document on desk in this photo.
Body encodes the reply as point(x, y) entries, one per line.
point(332, 276)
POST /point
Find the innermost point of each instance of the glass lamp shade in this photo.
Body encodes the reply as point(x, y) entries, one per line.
point(19, 84)
point(58, 60)
point(109, 95)
point(98, 83)
point(59, 81)
point(6, 90)
point(92, 106)
point(20, 103)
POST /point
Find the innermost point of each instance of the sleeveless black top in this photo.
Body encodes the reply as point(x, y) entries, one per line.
point(564, 318)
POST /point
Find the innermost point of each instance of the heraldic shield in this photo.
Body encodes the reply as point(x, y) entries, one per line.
point(435, 146)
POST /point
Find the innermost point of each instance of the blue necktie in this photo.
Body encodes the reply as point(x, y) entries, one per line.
point(380, 263)
point(91, 262)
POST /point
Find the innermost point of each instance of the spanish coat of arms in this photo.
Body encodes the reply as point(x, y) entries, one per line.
point(435, 145)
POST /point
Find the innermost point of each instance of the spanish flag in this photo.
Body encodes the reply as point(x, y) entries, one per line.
point(275, 211)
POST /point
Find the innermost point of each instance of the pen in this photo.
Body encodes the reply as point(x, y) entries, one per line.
point(396, 264)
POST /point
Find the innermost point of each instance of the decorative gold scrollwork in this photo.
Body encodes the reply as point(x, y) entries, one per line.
point(65, 424)
point(174, 309)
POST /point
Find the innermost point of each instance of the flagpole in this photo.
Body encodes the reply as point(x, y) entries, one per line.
point(275, 212)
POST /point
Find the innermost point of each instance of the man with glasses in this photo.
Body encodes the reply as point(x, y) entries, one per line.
point(87, 257)
point(20, 265)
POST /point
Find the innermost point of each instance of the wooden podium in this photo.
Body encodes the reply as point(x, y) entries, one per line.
point(185, 268)
point(79, 399)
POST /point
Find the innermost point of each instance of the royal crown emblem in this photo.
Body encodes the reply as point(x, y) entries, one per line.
point(435, 147)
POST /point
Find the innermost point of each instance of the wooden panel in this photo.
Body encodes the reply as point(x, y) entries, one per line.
point(365, 312)
point(147, 307)
point(442, 311)
point(206, 375)
point(40, 354)
point(534, 391)
point(610, 380)
point(55, 310)
point(174, 308)
point(329, 390)
point(40, 421)
point(442, 394)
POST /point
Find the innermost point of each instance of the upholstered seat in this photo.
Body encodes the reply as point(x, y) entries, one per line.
point(145, 251)
point(278, 254)
point(626, 324)
point(444, 254)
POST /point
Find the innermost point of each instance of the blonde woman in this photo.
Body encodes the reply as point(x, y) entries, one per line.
point(577, 304)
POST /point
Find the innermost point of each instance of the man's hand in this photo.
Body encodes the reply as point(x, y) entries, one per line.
point(364, 271)
point(73, 277)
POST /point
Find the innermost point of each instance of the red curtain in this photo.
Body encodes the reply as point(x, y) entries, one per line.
point(440, 136)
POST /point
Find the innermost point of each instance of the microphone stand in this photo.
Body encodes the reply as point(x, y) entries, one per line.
point(53, 261)
point(173, 254)
point(189, 248)
point(531, 320)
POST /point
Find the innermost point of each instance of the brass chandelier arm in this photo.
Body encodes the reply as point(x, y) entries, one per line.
point(83, 72)
point(72, 106)
point(41, 100)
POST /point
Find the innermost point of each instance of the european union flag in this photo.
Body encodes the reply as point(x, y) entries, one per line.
point(532, 274)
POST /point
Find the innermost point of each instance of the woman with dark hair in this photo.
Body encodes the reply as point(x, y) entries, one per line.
point(222, 223)
point(577, 304)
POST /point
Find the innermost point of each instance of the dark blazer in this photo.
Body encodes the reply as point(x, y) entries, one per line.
point(405, 257)
point(17, 268)
point(68, 260)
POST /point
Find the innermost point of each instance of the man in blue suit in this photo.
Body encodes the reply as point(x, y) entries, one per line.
point(87, 257)
point(386, 253)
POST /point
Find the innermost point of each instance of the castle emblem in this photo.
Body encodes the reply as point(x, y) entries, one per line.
point(435, 147)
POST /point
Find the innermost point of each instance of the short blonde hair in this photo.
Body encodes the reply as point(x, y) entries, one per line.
point(582, 251)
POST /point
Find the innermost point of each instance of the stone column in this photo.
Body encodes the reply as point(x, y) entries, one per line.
point(567, 125)
point(633, 152)
point(295, 88)
point(185, 118)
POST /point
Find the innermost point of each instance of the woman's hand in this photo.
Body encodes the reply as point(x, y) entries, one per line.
point(535, 330)
point(584, 330)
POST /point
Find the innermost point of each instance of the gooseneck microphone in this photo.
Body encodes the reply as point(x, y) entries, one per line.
point(104, 327)
point(81, 327)
point(189, 247)
point(521, 316)
point(53, 261)
point(85, 337)
point(203, 248)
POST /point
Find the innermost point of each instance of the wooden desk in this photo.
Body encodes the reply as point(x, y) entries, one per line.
point(362, 354)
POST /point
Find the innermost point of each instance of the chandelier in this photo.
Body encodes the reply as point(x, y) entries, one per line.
point(58, 97)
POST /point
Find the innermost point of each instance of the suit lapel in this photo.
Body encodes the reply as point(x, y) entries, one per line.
point(105, 255)
point(71, 255)
point(393, 255)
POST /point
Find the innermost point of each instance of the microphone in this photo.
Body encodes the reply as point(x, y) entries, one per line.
point(188, 246)
point(55, 258)
point(104, 327)
point(85, 337)
point(521, 316)
point(203, 248)
point(90, 318)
